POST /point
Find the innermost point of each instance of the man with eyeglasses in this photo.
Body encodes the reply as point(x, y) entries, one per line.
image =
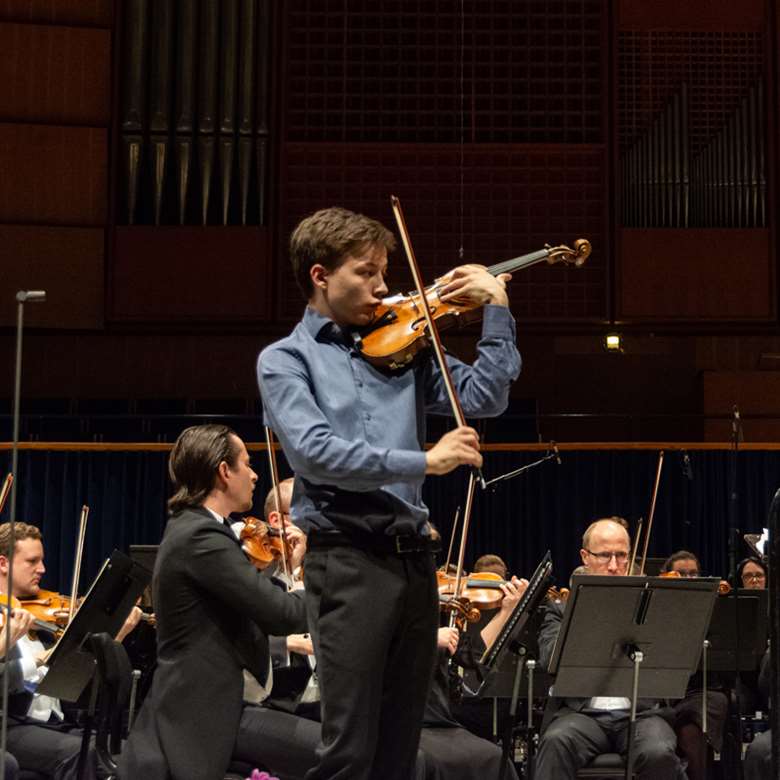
point(581, 729)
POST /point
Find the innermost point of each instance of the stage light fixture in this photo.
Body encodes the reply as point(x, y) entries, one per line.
point(613, 342)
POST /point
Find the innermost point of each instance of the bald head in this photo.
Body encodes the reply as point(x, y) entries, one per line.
point(606, 546)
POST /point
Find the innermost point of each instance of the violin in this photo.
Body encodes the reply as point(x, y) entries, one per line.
point(38, 624)
point(483, 590)
point(262, 543)
point(724, 588)
point(49, 607)
point(399, 329)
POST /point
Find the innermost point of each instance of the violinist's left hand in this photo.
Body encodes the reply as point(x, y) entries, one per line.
point(131, 621)
point(297, 540)
point(477, 284)
point(513, 591)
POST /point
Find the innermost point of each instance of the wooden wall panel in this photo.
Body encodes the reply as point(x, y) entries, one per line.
point(66, 262)
point(754, 393)
point(55, 74)
point(701, 15)
point(91, 13)
point(683, 275)
point(53, 175)
point(191, 274)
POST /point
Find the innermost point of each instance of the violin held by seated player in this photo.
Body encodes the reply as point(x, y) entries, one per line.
point(398, 331)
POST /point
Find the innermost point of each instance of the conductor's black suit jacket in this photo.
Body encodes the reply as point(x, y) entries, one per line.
point(214, 612)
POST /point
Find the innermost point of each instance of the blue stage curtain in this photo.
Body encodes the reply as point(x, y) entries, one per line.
point(548, 507)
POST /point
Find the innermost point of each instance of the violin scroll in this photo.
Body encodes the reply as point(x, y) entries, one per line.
point(564, 254)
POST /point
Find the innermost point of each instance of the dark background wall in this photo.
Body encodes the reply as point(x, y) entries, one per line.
point(156, 155)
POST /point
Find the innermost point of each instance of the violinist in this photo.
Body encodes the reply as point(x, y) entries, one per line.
point(685, 563)
point(691, 742)
point(214, 612)
point(40, 735)
point(353, 435)
point(581, 729)
point(751, 573)
point(21, 622)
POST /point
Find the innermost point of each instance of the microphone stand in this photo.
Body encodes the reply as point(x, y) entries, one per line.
point(22, 297)
point(517, 472)
point(736, 433)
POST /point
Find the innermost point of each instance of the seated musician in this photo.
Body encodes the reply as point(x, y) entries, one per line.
point(40, 735)
point(491, 563)
point(582, 729)
point(691, 743)
point(21, 622)
point(758, 759)
point(214, 612)
point(450, 750)
point(751, 573)
point(685, 563)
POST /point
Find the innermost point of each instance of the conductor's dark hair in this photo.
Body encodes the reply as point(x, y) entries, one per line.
point(328, 237)
point(194, 462)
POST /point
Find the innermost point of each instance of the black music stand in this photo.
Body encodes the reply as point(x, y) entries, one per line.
point(105, 607)
point(505, 658)
point(750, 607)
point(612, 626)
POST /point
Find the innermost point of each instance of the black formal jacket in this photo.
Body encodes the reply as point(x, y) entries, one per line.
point(214, 611)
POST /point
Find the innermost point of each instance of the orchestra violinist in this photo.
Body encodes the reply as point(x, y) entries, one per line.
point(352, 435)
point(40, 736)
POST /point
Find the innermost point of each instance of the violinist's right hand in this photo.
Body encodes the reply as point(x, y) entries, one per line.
point(458, 447)
point(447, 639)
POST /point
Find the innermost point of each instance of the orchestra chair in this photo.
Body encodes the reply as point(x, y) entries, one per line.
point(605, 765)
point(112, 686)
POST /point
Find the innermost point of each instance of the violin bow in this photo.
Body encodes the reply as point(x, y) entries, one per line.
point(650, 515)
point(77, 562)
point(452, 541)
point(6, 489)
point(269, 445)
point(457, 410)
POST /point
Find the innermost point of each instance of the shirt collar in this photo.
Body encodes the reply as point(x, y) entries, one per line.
point(322, 328)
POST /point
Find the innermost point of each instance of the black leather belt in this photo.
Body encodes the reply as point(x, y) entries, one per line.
point(400, 544)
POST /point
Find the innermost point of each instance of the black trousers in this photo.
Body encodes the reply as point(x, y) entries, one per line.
point(52, 750)
point(373, 619)
point(574, 739)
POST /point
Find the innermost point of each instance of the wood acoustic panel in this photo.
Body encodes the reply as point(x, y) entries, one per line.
point(755, 393)
point(66, 262)
point(89, 13)
point(191, 274)
point(59, 75)
point(709, 15)
point(668, 275)
point(53, 175)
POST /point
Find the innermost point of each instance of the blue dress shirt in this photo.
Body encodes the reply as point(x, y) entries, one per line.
point(354, 434)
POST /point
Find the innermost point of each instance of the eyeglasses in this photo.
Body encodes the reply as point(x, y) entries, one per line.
point(606, 557)
point(755, 576)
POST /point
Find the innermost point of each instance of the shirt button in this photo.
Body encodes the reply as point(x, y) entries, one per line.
point(368, 416)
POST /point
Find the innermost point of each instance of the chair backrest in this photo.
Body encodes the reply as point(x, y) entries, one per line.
point(114, 681)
